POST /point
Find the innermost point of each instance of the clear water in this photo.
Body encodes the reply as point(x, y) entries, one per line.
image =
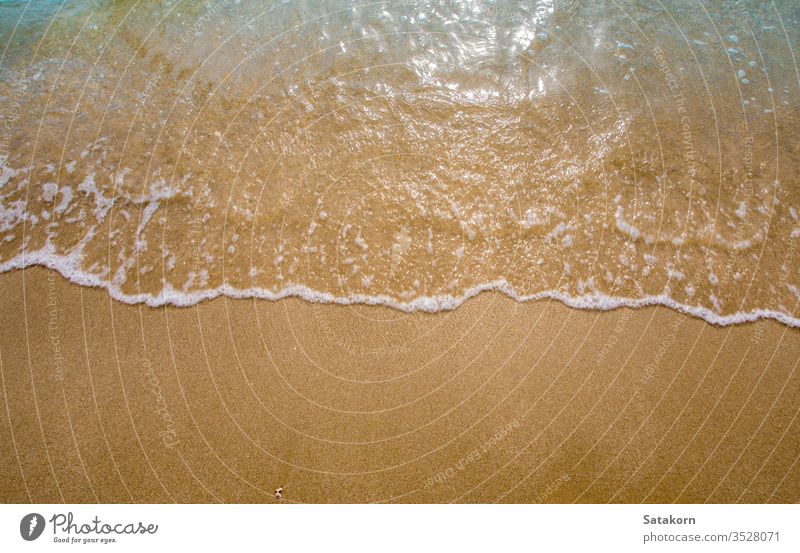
point(407, 153)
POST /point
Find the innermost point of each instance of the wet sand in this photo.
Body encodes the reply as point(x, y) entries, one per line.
point(494, 401)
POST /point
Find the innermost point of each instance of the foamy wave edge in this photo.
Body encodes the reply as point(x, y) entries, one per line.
point(66, 267)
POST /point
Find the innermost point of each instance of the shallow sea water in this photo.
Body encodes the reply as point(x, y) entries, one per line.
point(407, 153)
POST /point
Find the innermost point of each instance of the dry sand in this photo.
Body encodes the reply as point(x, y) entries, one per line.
point(495, 401)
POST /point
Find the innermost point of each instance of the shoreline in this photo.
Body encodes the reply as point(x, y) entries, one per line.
point(170, 297)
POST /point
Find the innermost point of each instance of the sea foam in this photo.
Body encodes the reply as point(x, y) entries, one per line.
point(67, 267)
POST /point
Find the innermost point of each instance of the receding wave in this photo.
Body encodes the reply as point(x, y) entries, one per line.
point(410, 154)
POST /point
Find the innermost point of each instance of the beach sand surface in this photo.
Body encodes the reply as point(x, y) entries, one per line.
point(496, 401)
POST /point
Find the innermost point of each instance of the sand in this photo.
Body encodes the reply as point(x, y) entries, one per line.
point(496, 401)
point(406, 154)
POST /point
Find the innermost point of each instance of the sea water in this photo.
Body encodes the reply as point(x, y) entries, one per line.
point(408, 153)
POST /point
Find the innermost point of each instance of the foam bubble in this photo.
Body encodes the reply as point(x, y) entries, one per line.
point(68, 266)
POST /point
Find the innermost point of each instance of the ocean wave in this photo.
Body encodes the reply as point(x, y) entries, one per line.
point(65, 266)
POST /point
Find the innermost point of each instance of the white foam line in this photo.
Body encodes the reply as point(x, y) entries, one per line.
point(66, 266)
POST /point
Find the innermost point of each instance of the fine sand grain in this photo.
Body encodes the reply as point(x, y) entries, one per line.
point(495, 401)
